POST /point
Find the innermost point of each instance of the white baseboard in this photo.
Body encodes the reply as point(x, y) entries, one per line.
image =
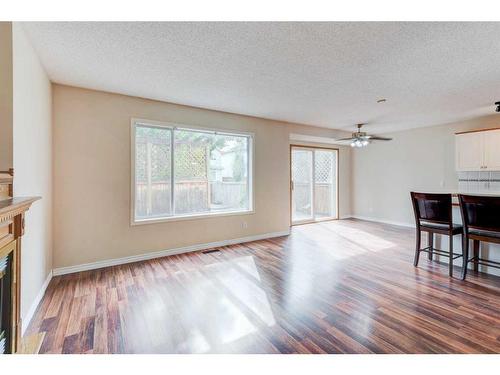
point(29, 315)
point(378, 220)
point(164, 253)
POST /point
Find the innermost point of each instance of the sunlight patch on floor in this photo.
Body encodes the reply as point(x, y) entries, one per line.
point(247, 291)
point(343, 241)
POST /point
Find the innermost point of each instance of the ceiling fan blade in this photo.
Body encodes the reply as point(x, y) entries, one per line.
point(375, 138)
point(344, 139)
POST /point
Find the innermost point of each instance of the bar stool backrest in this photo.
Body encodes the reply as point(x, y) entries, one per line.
point(480, 212)
point(432, 208)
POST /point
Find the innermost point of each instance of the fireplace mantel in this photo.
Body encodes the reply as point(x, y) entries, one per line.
point(10, 207)
point(12, 212)
point(12, 217)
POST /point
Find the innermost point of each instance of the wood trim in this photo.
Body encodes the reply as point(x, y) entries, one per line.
point(292, 145)
point(7, 232)
point(7, 178)
point(477, 131)
point(16, 298)
point(12, 215)
point(7, 249)
point(12, 248)
point(11, 207)
point(31, 344)
point(4, 179)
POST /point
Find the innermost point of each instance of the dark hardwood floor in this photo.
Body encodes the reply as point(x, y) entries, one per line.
point(335, 287)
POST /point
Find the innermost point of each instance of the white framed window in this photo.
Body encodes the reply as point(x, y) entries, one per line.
point(183, 172)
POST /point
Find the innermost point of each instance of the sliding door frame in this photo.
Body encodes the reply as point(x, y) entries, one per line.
point(313, 148)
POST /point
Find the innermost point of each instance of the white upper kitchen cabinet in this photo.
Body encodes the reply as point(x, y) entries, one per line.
point(468, 151)
point(491, 141)
point(478, 151)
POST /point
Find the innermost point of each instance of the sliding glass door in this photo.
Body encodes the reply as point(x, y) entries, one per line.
point(313, 184)
point(302, 185)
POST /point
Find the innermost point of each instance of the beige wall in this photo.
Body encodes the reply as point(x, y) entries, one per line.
point(92, 177)
point(5, 96)
point(32, 107)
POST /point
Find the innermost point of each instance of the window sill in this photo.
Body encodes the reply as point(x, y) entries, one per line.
point(189, 217)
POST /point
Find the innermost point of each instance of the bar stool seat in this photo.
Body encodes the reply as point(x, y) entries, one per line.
point(484, 233)
point(456, 228)
point(433, 214)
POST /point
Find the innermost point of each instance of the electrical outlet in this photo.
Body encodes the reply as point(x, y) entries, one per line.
point(244, 224)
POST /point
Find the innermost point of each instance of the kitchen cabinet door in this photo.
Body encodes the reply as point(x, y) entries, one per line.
point(469, 151)
point(491, 144)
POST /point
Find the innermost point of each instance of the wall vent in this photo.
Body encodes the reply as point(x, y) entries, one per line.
point(211, 251)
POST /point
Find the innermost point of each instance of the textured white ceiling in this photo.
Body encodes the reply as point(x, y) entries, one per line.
point(325, 74)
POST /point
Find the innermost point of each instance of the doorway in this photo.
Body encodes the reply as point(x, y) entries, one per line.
point(314, 184)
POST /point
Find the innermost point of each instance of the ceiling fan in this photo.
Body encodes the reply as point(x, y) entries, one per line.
point(362, 139)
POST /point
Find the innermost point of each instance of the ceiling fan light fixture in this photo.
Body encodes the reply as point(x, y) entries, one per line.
point(361, 139)
point(359, 143)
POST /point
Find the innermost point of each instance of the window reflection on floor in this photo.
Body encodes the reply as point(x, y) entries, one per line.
point(342, 241)
point(226, 294)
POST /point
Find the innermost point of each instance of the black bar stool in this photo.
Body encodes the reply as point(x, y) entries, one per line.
point(481, 218)
point(433, 214)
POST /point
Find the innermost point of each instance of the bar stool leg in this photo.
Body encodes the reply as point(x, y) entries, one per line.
point(465, 255)
point(475, 248)
point(417, 248)
point(430, 244)
point(450, 266)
